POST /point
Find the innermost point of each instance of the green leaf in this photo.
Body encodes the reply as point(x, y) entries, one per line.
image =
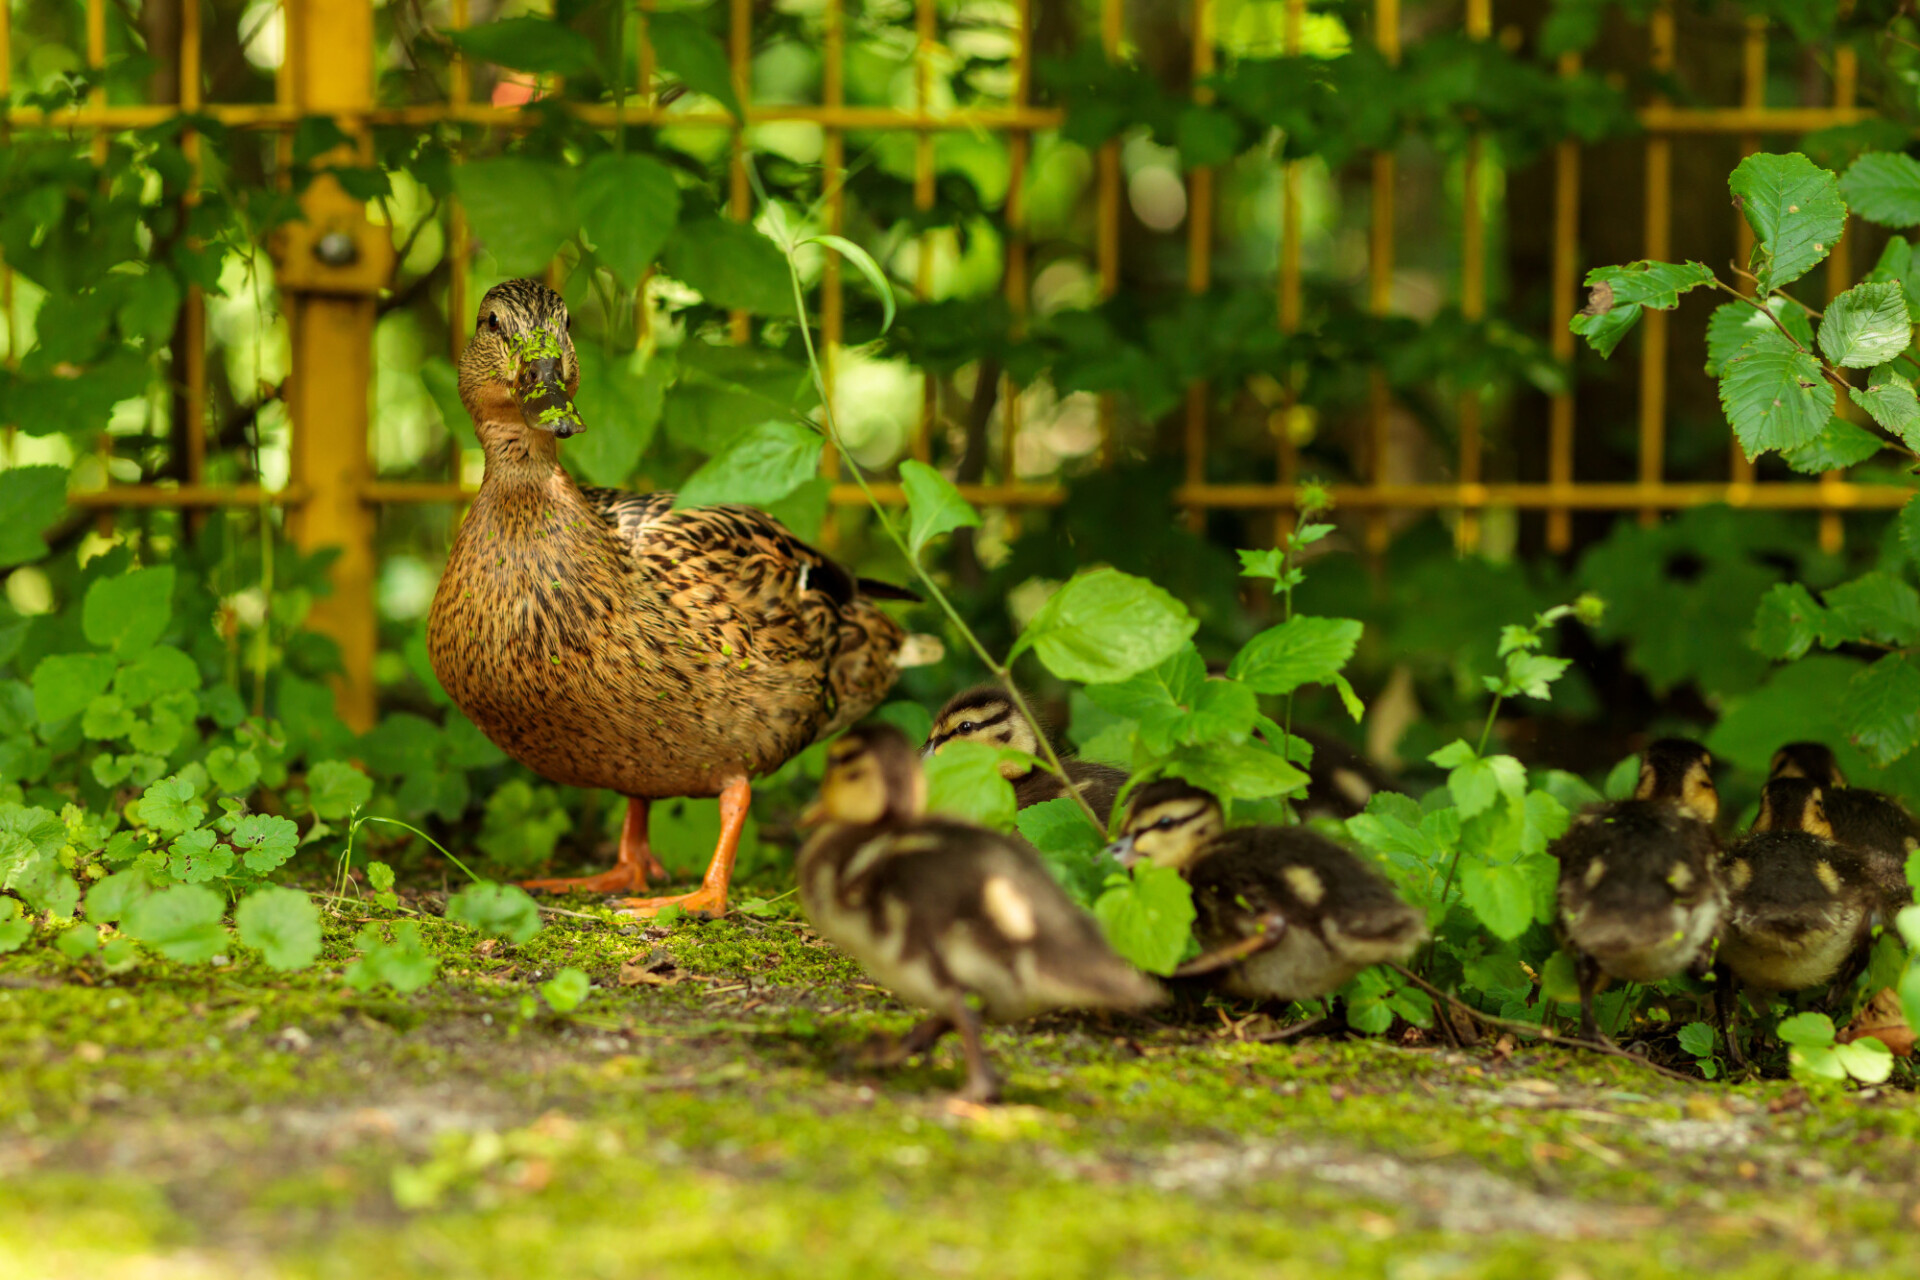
point(1648, 283)
point(521, 211)
point(1882, 709)
point(1697, 1039)
point(934, 504)
point(764, 465)
point(234, 772)
point(1604, 330)
point(629, 205)
point(537, 45)
point(1884, 187)
point(113, 897)
point(964, 781)
point(335, 789)
point(404, 964)
point(264, 841)
point(1841, 445)
point(1104, 626)
point(1501, 896)
point(1236, 771)
point(152, 305)
point(1301, 650)
point(1148, 917)
point(685, 48)
point(1532, 674)
point(1890, 401)
point(504, 910)
point(159, 671)
point(621, 398)
point(1867, 325)
point(1476, 783)
point(1735, 324)
point(33, 498)
point(282, 924)
point(1366, 996)
point(1910, 995)
point(1807, 1030)
point(1879, 607)
point(128, 614)
point(107, 718)
point(1775, 395)
point(194, 857)
point(732, 266)
point(1068, 844)
point(181, 923)
point(1867, 1059)
point(566, 990)
point(1909, 521)
point(15, 928)
point(863, 263)
point(65, 684)
point(172, 804)
point(1788, 621)
point(1795, 210)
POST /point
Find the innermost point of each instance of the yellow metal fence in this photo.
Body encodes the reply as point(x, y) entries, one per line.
point(328, 69)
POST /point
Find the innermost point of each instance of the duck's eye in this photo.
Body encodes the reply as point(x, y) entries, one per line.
point(966, 726)
point(1163, 824)
point(493, 321)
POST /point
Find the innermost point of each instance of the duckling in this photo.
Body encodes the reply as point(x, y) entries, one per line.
point(1802, 907)
point(1639, 893)
point(1340, 781)
point(1871, 821)
point(944, 913)
point(604, 639)
point(989, 714)
point(1295, 914)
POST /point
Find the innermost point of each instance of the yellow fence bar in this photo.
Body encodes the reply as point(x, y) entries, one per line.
point(1289, 279)
point(834, 175)
point(193, 317)
point(1386, 35)
point(1566, 281)
point(739, 195)
point(1846, 73)
point(1020, 149)
point(1659, 237)
point(1473, 286)
point(1753, 97)
point(925, 32)
point(1107, 215)
point(1199, 256)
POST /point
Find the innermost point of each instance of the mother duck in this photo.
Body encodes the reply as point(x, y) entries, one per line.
point(604, 639)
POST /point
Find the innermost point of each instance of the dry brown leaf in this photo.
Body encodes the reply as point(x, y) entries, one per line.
point(1885, 1021)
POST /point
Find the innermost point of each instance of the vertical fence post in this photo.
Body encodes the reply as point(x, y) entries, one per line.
point(331, 267)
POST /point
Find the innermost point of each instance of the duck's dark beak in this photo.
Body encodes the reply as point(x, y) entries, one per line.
point(1122, 851)
point(542, 393)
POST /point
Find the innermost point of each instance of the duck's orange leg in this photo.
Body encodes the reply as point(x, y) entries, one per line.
point(711, 897)
point(636, 868)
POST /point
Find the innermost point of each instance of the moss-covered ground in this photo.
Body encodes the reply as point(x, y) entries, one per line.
point(703, 1113)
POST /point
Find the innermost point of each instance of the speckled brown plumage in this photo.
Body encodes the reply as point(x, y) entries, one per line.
point(604, 639)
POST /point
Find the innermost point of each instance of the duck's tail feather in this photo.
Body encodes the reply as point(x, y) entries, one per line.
point(874, 589)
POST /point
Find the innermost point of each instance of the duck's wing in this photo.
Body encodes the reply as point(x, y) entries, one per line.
point(651, 529)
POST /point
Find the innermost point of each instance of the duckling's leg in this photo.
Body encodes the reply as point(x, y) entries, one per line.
point(883, 1050)
point(1726, 1012)
point(982, 1084)
point(711, 897)
point(631, 872)
point(1587, 972)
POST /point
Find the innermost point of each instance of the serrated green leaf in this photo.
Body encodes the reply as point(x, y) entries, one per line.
point(1909, 520)
point(1865, 326)
point(1807, 1030)
point(403, 964)
point(113, 897)
point(764, 465)
point(1697, 1039)
point(1104, 626)
point(1884, 187)
point(283, 925)
point(731, 265)
point(1881, 708)
point(1840, 445)
point(1532, 674)
point(964, 781)
point(106, 718)
point(157, 672)
point(934, 504)
point(1604, 331)
point(686, 49)
point(1890, 401)
point(194, 857)
point(65, 684)
point(1476, 784)
point(534, 44)
point(1501, 896)
point(504, 910)
point(1650, 284)
point(1236, 771)
point(1775, 395)
point(1795, 210)
point(129, 613)
point(1788, 621)
point(622, 395)
point(181, 923)
point(335, 789)
point(172, 804)
point(521, 210)
point(1867, 1059)
point(1878, 607)
point(629, 205)
point(1068, 844)
point(1735, 324)
point(566, 990)
point(264, 841)
point(1301, 650)
point(1148, 917)
point(33, 498)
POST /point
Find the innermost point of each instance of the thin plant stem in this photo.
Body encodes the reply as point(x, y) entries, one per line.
point(395, 822)
point(999, 669)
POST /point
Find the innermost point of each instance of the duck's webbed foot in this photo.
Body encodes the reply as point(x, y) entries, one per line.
point(636, 869)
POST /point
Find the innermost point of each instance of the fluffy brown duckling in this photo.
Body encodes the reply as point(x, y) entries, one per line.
point(946, 914)
point(989, 714)
point(1298, 914)
point(604, 639)
point(1871, 821)
point(1640, 896)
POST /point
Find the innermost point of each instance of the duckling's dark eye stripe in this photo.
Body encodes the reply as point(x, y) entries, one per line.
point(942, 739)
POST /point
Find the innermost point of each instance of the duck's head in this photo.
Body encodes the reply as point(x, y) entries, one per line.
point(1168, 824)
point(520, 367)
point(1813, 760)
point(1794, 804)
point(987, 714)
point(1680, 772)
point(872, 775)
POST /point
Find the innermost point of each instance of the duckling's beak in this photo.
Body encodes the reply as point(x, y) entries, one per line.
point(1123, 852)
point(542, 393)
